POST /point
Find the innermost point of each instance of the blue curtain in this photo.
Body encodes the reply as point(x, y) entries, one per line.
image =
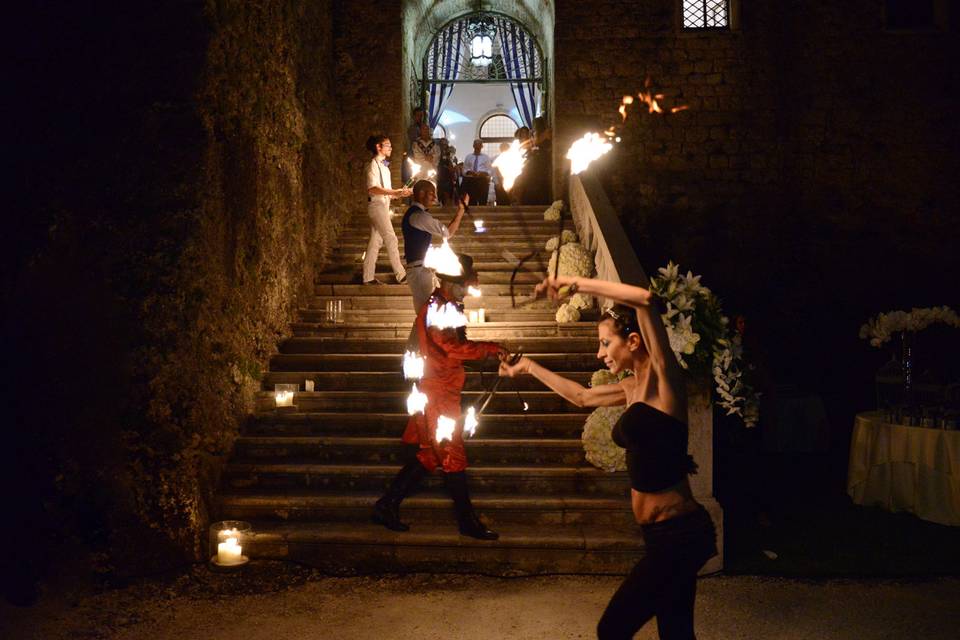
point(447, 52)
point(519, 56)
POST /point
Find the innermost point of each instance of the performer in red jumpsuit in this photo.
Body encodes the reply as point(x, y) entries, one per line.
point(444, 349)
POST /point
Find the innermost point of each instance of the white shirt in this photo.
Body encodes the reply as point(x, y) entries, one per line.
point(425, 222)
point(478, 163)
point(378, 175)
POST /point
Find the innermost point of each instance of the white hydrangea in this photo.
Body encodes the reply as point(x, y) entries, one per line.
point(552, 244)
point(598, 446)
point(569, 236)
point(575, 260)
point(580, 301)
point(880, 328)
point(553, 211)
point(567, 313)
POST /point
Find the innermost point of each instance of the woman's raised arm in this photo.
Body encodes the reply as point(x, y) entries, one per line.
point(651, 328)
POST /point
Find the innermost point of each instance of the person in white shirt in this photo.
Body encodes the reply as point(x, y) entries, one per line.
point(379, 192)
point(476, 174)
point(426, 153)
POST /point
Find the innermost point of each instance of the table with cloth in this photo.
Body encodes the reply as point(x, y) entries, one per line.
point(901, 468)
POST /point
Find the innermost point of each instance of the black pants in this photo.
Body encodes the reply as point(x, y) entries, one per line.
point(664, 582)
point(478, 187)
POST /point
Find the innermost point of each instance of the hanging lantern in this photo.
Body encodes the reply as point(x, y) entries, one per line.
point(480, 31)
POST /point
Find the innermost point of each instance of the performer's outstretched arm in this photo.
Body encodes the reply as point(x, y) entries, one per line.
point(454, 347)
point(608, 395)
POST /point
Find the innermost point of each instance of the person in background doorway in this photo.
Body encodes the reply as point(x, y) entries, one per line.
point(448, 173)
point(413, 134)
point(536, 177)
point(426, 153)
point(476, 174)
point(379, 193)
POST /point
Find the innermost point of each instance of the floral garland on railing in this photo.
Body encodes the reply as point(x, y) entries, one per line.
point(599, 448)
point(701, 337)
point(881, 327)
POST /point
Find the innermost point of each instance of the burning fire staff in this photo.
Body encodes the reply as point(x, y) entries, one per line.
point(678, 532)
point(437, 431)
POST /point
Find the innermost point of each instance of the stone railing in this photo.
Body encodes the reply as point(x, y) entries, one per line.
point(600, 231)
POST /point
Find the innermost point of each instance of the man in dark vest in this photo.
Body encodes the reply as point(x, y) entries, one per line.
point(419, 227)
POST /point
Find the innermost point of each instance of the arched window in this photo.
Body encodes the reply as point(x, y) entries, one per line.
point(439, 131)
point(494, 130)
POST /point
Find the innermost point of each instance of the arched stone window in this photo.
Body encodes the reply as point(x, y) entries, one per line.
point(495, 129)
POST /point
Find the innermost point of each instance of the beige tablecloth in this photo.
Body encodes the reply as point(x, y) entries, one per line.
point(901, 468)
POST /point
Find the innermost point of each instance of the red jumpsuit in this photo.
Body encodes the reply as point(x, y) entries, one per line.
point(443, 352)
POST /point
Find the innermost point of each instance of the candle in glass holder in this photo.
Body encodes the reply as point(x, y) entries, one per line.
point(481, 315)
point(473, 316)
point(229, 552)
point(308, 385)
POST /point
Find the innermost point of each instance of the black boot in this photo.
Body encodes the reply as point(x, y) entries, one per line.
point(470, 524)
point(387, 509)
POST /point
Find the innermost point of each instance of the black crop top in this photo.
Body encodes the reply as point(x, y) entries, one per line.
point(656, 445)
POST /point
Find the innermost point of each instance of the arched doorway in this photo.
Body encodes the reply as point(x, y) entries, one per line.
point(478, 65)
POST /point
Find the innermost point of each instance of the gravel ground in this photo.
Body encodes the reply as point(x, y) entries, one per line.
point(276, 601)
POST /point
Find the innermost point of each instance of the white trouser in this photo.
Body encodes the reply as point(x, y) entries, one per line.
point(381, 233)
point(422, 283)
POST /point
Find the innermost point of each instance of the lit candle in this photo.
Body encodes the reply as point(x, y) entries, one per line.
point(229, 552)
point(284, 398)
point(308, 385)
point(481, 315)
point(472, 317)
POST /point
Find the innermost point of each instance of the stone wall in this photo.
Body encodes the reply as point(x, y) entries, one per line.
point(192, 183)
point(809, 180)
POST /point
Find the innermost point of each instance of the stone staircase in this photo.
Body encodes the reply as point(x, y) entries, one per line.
point(307, 479)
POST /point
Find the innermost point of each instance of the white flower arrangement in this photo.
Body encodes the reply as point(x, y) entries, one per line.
point(599, 448)
point(567, 313)
point(554, 211)
point(881, 327)
point(568, 236)
point(702, 340)
point(575, 260)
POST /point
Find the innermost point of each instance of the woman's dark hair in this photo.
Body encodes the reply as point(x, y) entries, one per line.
point(373, 141)
point(624, 319)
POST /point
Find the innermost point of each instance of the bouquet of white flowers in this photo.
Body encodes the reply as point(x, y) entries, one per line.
point(702, 340)
point(881, 327)
point(554, 211)
point(599, 448)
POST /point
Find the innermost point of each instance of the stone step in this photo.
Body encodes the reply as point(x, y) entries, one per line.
point(394, 361)
point(390, 450)
point(493, 273)
point(405, 315)
point(488, 247)
point(351, 290)
point(402, 303)
point(506, 400)
point(495, 425)
point(494, 331)
point(582, 480)
point(428, 507)
point(393, 380)
point(538, 344)
point(354, 547)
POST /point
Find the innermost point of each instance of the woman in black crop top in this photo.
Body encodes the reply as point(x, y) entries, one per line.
point(677, 530)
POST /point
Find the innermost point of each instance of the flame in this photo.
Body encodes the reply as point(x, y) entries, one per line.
point(431, 173)
point(525, 405)
point(445, 427)
point(585, 150)
point(470, 422)
point(474, 291)
point(447, 316)
point(682, 107)
point(412, 366)
point(510, 163)
point(478, 226)
point(443, 260)
point(414, 168)
point(416, 401)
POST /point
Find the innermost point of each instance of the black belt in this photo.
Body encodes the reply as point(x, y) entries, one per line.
point(415, 263)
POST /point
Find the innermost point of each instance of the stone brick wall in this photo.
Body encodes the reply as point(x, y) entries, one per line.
point(811, 171)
